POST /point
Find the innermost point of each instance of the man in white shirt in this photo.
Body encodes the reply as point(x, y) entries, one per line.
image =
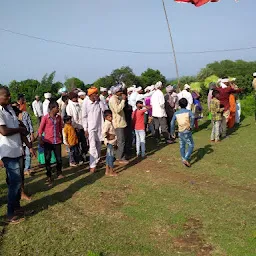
point(129, 92)
point(11, 151)
point(132, 98)
point(159, 114)
point(46, 102)
point(92, 117)
point(103, 95)
point(187, 95)
point(37, 106)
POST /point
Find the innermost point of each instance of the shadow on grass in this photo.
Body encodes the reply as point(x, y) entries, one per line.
point(232, 131)
point(200, 153)
point(204, 125)
point(152, 147)
point(31, 188)
point(44, 203)
point(47, 201)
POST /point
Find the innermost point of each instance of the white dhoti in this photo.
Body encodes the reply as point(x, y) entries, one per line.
point(94, 148)
point(92, 116)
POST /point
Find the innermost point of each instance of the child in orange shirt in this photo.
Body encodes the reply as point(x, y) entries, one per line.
point(71, 140)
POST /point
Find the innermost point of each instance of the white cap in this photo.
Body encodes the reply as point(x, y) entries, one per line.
point(152, 87)
point(102, 89)
point(130, 89)
point(226, 80)
point(186, 86)
point(109, 92)
point(147, 89)
point(254, 74)
point(47, 95)
point(62, 90)
point(158, 85)
point(81, 94)
point(138, 89)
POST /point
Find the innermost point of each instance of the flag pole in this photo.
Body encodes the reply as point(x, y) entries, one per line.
point(172, 44)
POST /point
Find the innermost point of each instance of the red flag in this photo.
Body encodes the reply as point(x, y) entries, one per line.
point(197, 3)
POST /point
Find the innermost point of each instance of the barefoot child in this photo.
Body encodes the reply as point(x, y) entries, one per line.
point(51, 126)
point(185, 120)
point(110, 140)
point(71, 141)
point(216, 112)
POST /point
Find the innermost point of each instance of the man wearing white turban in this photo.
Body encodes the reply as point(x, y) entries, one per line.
point(109, 96)
point(159, 113)
point(129, 92)
point(103, 95)
point(46, 102)
point(225, 90)
point(116, 105)
point(187, 95)
point(81, 97)
point(158, 85)
point(37, 106)
point(62, 91)
point(133, 97)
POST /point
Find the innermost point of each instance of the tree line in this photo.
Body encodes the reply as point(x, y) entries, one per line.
point(241, 70)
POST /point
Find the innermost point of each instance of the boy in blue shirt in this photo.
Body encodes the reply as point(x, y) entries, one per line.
point(185, 120)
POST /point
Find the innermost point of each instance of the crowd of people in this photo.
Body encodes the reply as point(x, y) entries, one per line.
point(119, 117)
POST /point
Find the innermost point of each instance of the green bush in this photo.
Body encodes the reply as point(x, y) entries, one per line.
point(196, 86)
point(210, 79)
point(248, 105)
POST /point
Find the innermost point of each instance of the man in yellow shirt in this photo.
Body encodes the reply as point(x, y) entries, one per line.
point(116, 105)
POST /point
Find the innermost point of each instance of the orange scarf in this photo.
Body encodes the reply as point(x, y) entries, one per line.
point(232, 108)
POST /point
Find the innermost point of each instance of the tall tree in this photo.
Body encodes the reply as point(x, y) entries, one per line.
point(47, 85)
point(74, 82)
point(126, 75)
point(151, 76)
point(27, 87)
point(106, 82)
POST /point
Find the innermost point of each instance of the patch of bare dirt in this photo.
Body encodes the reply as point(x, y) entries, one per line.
point(106, 202)
point(192, 240)
point(163, 172)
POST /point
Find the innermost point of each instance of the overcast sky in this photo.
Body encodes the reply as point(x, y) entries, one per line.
point(137, 25)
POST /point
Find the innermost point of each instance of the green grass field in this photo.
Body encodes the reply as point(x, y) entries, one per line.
point(154, 207)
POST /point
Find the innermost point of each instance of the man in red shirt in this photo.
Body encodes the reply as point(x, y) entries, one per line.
point(225, 90)
point(51, 127)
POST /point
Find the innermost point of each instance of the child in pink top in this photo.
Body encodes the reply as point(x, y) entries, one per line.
point(139, 126)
